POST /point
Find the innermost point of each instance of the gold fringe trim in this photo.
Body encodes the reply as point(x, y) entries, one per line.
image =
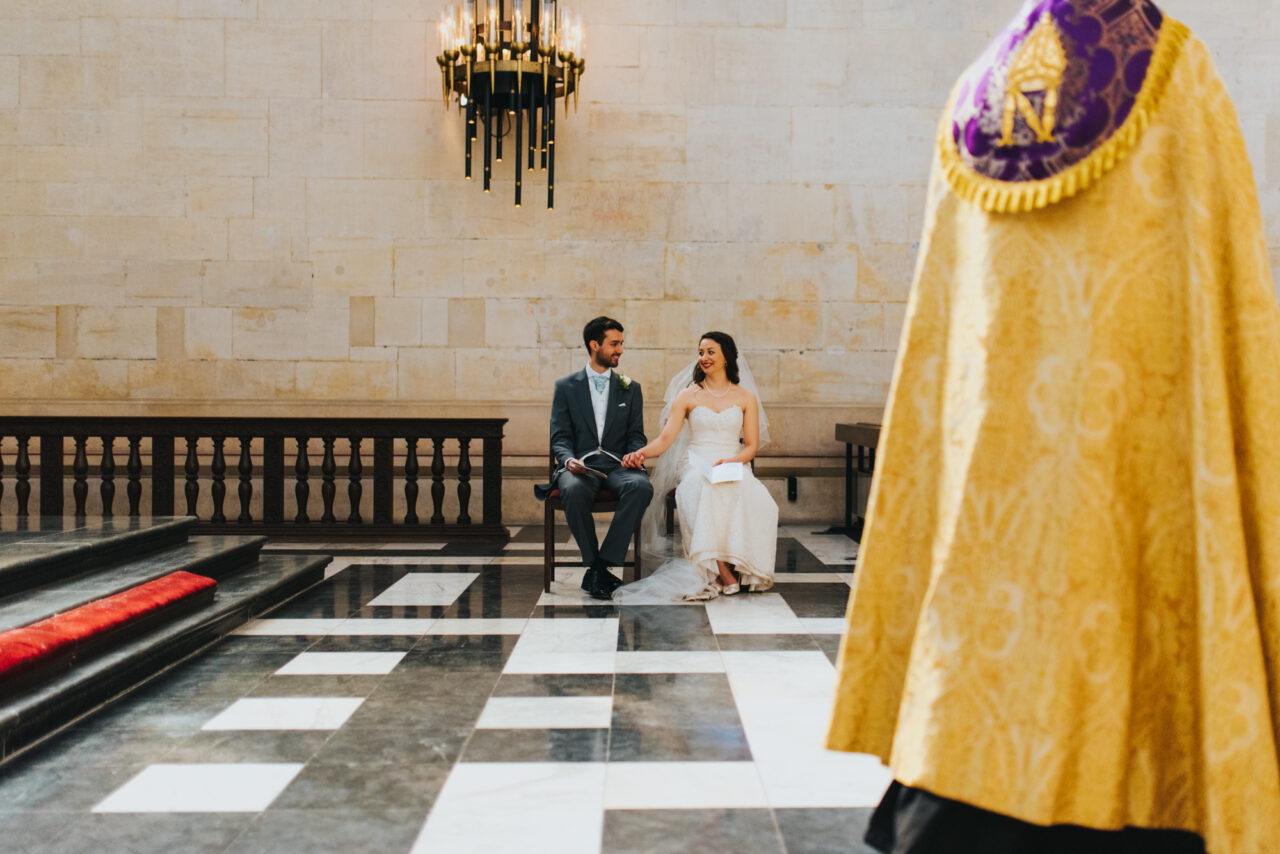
point(1016, 197)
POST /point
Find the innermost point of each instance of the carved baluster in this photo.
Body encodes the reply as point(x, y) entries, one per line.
point(192, 468)
point(327, 489)
point(23, 469)
point(301, 490)
point(134, 469)
point(354, 489)
point(219, 489)
point(80, 469)
point(108, 488)
point(411, 481)
point(437, 482)
point(464, 481)
point(246, 480)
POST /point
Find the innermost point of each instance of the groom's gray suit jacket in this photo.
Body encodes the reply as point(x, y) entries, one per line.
point(573, 422)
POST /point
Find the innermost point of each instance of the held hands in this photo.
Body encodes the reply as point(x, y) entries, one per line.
point(634, 460)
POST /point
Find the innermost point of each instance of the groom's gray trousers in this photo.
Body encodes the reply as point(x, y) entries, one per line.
point(578, 492)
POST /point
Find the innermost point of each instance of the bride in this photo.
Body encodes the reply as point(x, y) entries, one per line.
point(725, 528)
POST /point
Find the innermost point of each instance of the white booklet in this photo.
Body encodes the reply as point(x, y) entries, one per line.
point(723, 473)
point(598, 452)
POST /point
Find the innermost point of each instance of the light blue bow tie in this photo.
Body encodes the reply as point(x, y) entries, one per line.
point(600, 382)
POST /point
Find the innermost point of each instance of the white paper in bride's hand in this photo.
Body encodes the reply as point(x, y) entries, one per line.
point(723, 473)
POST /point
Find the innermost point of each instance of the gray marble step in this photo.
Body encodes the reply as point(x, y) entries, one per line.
point(94, 684)
point(39, 552)
point(214, 556)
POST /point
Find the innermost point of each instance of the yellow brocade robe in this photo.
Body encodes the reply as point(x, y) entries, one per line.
point(1067, 605)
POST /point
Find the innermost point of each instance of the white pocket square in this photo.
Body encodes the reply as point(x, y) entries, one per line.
point(621, 404)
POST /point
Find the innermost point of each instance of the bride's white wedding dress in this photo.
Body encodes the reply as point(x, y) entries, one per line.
point(736, 522)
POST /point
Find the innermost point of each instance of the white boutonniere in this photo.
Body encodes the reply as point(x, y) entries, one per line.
point(624, 381)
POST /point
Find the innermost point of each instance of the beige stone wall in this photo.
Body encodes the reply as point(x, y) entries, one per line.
point(257, 205)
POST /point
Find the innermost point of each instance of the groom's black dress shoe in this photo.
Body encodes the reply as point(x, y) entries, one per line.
point(600, 583)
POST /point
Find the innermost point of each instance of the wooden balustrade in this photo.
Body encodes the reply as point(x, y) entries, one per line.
point(258, 449)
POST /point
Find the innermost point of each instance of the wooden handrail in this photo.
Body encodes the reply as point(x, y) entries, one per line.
point(233, 440)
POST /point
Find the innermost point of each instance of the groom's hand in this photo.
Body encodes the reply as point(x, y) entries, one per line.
point(634, 460)
point(576, 467)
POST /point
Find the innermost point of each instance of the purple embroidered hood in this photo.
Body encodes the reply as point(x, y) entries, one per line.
point(1054, 86)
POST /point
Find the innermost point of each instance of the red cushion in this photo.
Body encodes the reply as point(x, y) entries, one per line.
point(30, 646)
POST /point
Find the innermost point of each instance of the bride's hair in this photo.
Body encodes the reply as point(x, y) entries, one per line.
point(730, 351)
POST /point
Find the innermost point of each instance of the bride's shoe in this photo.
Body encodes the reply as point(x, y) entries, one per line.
point(730, 590)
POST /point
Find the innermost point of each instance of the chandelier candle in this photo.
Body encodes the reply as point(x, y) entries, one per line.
point(493, 55)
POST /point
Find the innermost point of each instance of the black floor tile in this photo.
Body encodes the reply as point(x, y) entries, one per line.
point(364, 643)
point(249, 746)
point(92, 746)
point(663, 627)
point(30, 786)
point(555, 685)
point(344, 685)
point(339, 830)
point(537, 745)
point(152, 833)
point(389, 710)
point(816, 600)
point(765, 643)
point(364, 785)
point(35, 832)
point(460, 653)
point(741, 831)
point(499, 592)
point(399, 612)
point(824, 831)
point(830, 646)
point(420, 746)
point(676, 716)
point(560, 612)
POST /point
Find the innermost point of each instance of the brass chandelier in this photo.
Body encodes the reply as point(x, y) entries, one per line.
point(507, 66)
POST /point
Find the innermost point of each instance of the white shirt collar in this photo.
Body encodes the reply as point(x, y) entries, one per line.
point(591, 372)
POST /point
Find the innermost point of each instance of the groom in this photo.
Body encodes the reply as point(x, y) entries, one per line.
point(599, 408)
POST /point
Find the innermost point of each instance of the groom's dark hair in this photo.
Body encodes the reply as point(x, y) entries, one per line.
point(596, 329)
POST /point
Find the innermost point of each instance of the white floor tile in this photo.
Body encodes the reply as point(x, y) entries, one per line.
point(757, 614)
point(478, 626)
point(530, 807)
point(831, 549)
point(825, 625)
point(669, 661)
point(426, 588)
point(562, 549)
point(562, 662)
point(529, 559)
point(784, 703)
point(273, 713)
point(807, 578)
point(426, 560)
point(566, 646)
point(337, 565)
point(230, 787)
point(513, 531)
point(341, 663)
point(546, 713)
point(682, 785)
point(389, 626)
point(288, 627)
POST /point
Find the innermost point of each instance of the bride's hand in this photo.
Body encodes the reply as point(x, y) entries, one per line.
point(721, 462)
point(634, 460)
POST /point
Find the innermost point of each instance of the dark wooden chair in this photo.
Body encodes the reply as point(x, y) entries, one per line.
point(606, 502)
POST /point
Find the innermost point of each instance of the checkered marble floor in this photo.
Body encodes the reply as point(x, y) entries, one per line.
point(441, 702)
